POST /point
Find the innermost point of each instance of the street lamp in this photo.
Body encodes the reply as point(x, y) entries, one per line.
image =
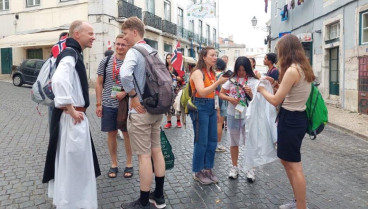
point(265, 29)
point(254, 21)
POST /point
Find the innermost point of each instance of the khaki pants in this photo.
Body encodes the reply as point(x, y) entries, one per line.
point(144, 132)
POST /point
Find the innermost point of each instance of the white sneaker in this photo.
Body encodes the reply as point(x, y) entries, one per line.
point(121, 134)
point(251, 176)
point(289, 205)
point(234, 172)
point(220, 148)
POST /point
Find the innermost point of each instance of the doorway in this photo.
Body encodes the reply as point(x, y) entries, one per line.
point(6, 60)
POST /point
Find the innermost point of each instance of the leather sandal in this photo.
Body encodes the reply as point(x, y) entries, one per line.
point(113, 171)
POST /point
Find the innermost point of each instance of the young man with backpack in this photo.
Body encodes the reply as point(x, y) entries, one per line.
point(108, 95)
point(143, 126)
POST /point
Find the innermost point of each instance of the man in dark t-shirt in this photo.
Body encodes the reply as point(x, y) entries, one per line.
point(273, 73)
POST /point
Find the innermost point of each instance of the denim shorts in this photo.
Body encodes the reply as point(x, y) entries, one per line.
point(109, 119)
point(291, 130)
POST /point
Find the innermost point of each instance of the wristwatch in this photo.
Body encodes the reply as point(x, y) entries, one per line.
point(132, 96)
point(98, 104)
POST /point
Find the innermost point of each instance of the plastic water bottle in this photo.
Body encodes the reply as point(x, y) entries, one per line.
point(174, 83)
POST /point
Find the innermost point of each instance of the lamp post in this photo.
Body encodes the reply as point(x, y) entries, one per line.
point(265, 29)
point(254, 21)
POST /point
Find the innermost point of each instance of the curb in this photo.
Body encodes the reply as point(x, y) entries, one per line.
point(364, 137)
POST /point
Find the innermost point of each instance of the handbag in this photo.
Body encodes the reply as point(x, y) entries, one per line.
point(167, 151)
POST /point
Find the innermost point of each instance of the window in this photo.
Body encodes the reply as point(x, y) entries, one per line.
point(168, 48)
point(214, 35)
point(333, 31)
point(4, 5)
point(334, 71)
point(34, 53)
point(237, 53)
point(167, 8)
point(191, 26)
point(364, 28)
point(39, 65)
point(151, 6)
point(152, 43)
point(208, 33)
point(180, 17)
point(200, 27)
point(31, 3)
point(30, 64)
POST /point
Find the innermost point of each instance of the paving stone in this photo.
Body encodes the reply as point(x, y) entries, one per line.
point(335, 166)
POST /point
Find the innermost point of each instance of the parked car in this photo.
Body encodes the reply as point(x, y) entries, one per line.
point(27, 72)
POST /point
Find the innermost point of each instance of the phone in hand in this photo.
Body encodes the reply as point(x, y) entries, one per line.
point(228, 73)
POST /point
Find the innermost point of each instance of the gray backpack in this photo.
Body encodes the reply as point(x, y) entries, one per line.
point(158, 95)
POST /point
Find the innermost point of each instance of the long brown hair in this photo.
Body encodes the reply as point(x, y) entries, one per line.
point(290, 51)
point(203, 53)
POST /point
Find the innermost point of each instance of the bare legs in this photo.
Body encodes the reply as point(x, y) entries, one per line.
point(294, 171)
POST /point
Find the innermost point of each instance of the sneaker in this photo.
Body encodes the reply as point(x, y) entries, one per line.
point(134, 205)
point(234, 172)
point(178, 124)
point(202, 178)
point(220, 148)
point(289, 205)
point(168, 125)
point(251, 176)
point(121, 134)
point(158, 202)
point(211, 176)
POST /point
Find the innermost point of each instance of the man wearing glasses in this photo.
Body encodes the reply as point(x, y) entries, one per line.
point(109, 93)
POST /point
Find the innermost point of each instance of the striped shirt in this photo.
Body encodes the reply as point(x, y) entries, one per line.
point(107, 101)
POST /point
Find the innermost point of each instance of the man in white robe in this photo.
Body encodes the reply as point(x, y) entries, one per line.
point(71, 163)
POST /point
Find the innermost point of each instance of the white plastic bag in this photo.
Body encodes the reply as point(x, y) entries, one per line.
point(261, 131)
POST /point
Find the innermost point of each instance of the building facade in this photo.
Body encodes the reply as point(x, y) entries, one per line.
point(334, 34)
point(31, 27)
point(231, 49)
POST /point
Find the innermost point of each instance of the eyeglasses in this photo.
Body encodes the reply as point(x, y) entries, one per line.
point(120, 45)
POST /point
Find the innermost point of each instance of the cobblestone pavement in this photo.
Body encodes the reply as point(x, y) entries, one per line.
point(335, 165)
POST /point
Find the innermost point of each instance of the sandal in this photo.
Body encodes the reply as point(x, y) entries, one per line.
point(113, 171)
point(128, 172)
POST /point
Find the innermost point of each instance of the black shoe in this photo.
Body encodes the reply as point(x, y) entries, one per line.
point(158, 202)
point(134, 205)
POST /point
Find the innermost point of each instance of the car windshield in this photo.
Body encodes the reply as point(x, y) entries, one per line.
point(30, 63)
point(39, 65)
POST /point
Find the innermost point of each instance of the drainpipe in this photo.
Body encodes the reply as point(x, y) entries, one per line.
point(343, 63)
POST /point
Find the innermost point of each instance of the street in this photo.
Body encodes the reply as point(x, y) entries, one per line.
point(335, 166)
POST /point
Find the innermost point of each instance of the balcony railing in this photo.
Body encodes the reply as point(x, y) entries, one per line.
point(152, 20)
point(126, 9)
point(168, 27)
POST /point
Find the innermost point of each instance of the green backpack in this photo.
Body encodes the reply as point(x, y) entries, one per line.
point(317, 113)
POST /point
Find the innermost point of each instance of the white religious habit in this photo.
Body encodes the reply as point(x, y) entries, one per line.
point(74, 185)
point(261, 131)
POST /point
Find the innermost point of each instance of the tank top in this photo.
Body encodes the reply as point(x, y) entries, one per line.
point(207, 82)
point(298, 95)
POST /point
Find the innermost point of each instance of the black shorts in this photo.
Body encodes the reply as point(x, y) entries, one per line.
point(109, 119)
point(291, 130)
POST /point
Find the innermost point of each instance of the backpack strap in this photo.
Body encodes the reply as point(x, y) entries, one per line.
point(66, 50)
point(142, 50)
point(104, 72)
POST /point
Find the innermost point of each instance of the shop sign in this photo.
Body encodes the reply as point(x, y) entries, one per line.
point(305, 37)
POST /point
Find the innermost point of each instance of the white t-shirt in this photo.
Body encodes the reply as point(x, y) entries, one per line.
point(233, 92)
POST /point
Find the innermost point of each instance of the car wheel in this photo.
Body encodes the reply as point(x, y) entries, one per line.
point(17, 80)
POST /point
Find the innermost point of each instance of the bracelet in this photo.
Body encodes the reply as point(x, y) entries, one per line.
point(98, 104)
point(132, 96)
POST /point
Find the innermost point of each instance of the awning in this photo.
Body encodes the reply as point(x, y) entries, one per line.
point(32, 39)
point(190, 60)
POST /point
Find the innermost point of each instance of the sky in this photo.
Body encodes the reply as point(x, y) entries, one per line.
point(235, 18)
